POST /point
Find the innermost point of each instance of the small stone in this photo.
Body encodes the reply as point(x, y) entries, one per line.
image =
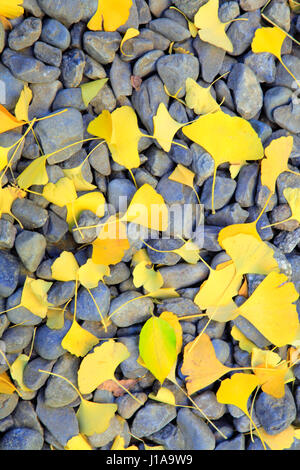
point(136, 311)
point(130, 368)
point(241, 33)
point(210, 58)
point(246, 186)
point(61, 292)
point(61, 422)
point(175, 69)
point(157, 40)
point(283, 78)
point(148, 98)
point(170, 437)
point(208, 403)
point(7, 404)
point(251, 332)
point(243, 82)
point(105, 99)
point(224, 190)
point(43, 97)
point(180, 154)
point(136, 47)
point(73, 63)
point(251, 5)
point(48, 342)
point(223, 93)
point(196, 433)
point(55, 34)
point(102, 45)
point(92, 69)
point(280, 14)
point(143, 11)
point(275, 414)
point(99, 159)
point(120, 192)
point(55, 228)
point(183, 275)
point(117, 427)
point(34, 379)
point(189, 7)
point(30, 215)
point(263, 130)
point(77, 34)
point(287, 241)
point(208, 238)
point(229, 215)
point(31, 247)
point(170, 29)
point(68, 11)
point(9, 273)
point(203, 163)
point(6, 423)
point(120, 73)
point(25, 416)
point(17, 338)
point(152, 418)
point(158, 162)
point(86, 307)
point(274, 98)
point(58, 392)
point(147, 63)
point(12, 86)
point(222, 350)
point(283, 212)
point(167, 259)
point(7, 234)
point(263, 65)
point(118, 273)
point(179, 306)
point(28, 68)
point(286, 180)
point(288, 117)
point(86, 219)
point(48, 54)
point(127, 406)
point(60, 131)
point(25, 34)
point(294, 260)
point(21, 439)
point(238, 443)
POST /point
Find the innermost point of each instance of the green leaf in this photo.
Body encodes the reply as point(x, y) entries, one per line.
point(158, 347)
point(91, 89)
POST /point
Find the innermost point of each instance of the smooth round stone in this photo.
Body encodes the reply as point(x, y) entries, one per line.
point(22, 439)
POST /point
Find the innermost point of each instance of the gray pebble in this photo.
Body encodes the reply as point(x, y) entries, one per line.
point(25, 34)
point(224, 190)
point(58, 392)
point(48, 54)
point(28, 68)
point(8, 404)
point(101, 45)
point(151, 418)
point(48, 342)
point(30, 215)
point(30, 247)
point(175, 69)
point(196, 433)
point(17, 338)
point(73, 63)
point(34, 379)
point(147, 63)
point(243, 83)
point(22, 439)
point(7, 234)
point(275, 414)
point(9, 273)
point(134, 312)
point(241, 33)
point(55, 34)
point(86, 308)
point(120, 74)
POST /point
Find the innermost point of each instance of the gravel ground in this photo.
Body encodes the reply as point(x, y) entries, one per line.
point(51, 49)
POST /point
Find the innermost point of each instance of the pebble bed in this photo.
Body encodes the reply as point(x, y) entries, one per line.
point(51, 49)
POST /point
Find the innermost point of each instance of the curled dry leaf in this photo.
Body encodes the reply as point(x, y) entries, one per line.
point(117, 390)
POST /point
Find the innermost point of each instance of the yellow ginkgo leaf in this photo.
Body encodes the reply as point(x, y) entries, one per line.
point(34, 174)
point(276, 161)
point(270, 371)
point(235, 169)
point(292, 196)
point(61, 193)
point(189, 251)
point(7, 196)
point(110, 15)
point(250, 255)
point(111, 244)
point(238, 229)
point(200, 364)
point(164, 395)
point(237, 390)
point(34, 296)
point(165, 127)
point(6, 386)
point(93, 202)
point(237, 140)
point(78, 442)
point(157, 346)
point(140, 256)
point(217, 292)
point(130, 34)
point(91, 89)
point(100, 365)
point(199, 98)
point(280, 441)
point(183, 175)
point(144, 275)
point(164, 293)
point(212, 30)
point(11, 8)
point(172, 319)
point(265, 307)
point(268, 39)
point(244, 343)
point(65, 267)
point(17, 371)
point(4, 152)
point(55, 318)
point(79, 341)
point(8, 122)
point(21, 110)
point(95, 417)
point(89, 274)
point(121, 133)
point(147, 208)
point(75, 175)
